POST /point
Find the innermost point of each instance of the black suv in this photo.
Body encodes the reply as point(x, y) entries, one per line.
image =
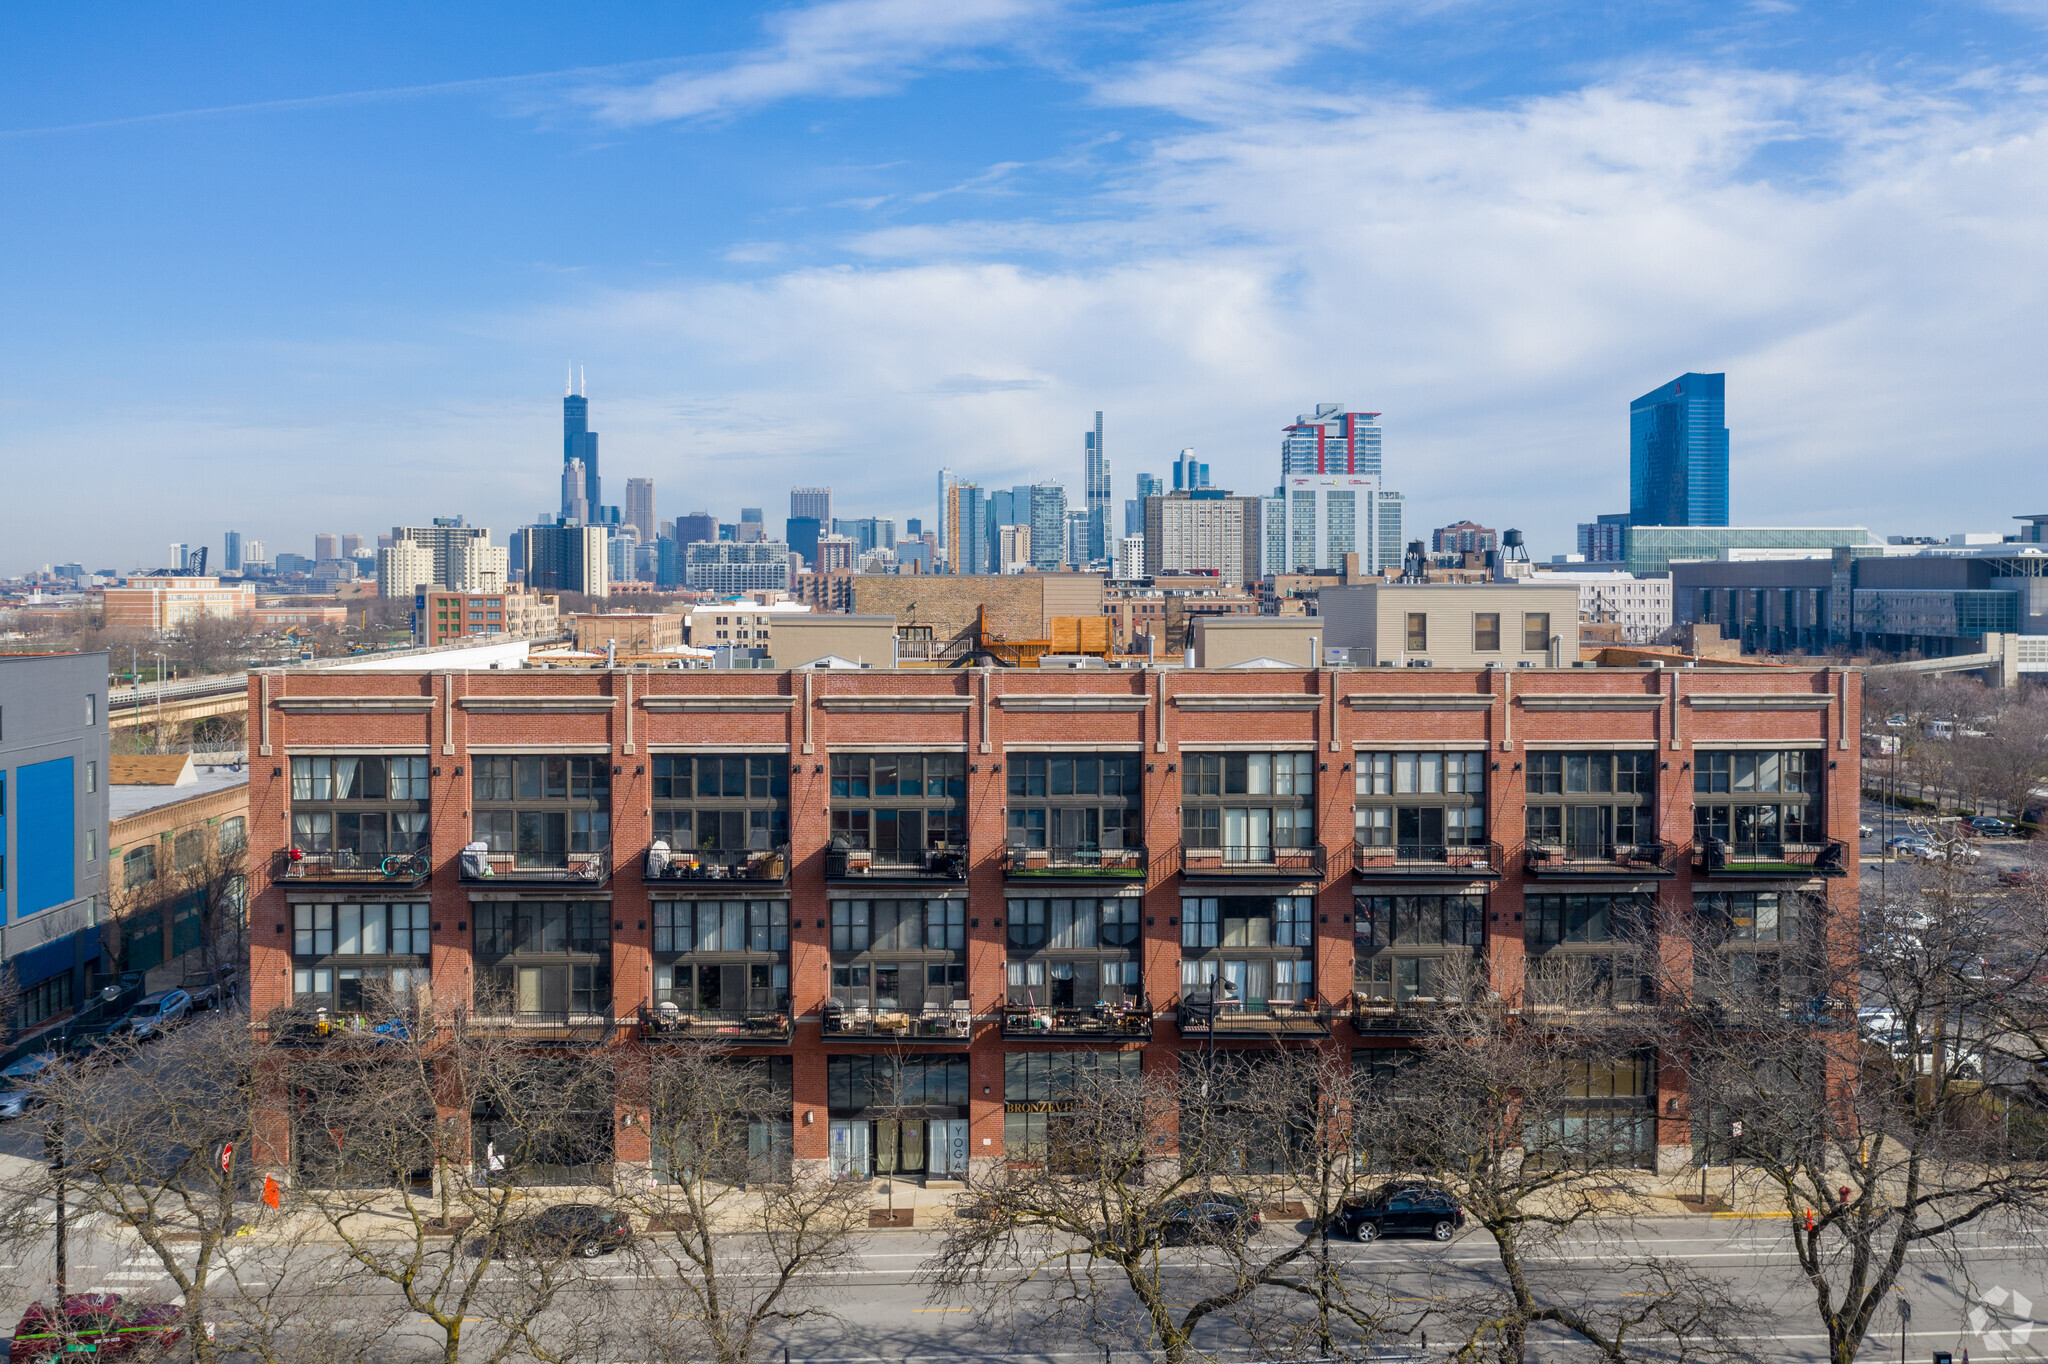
point(1401, 1209)
point(568, 1228)
point(1208, 1219)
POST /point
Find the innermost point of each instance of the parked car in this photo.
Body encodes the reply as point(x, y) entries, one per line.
point(1865, 830)
point(102, 1325)
point(1402, 1210)
point(18, 1100)
point(154, 1014)
point(1209, 1219)
point(1990, 826)
point(2019, 876)
point(1910, 845)
point(1896, 721)
point(567, 1229)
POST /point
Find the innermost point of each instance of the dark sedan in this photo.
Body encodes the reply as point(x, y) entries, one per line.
point(1208, 1219)
point(1402, 1210)
point(568, 1229)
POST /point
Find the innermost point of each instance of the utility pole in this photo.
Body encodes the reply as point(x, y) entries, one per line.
point(54, 1150)
point(159, 702)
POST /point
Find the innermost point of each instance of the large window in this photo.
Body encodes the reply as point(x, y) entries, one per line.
point(897, 956)
point(1607, 1117)
point(1247, 804)
point(1258, 949)
point(1587, 949)
point(1080, 802)
point(1073, 954)
point(901, 807)
point(358, 956)
point(1590, 804)
point(543, 958)
point(1409, 947)
point(725, 805)
point(1420, 804)
point(544, 812)
point(721, 957)
point(359, 809)
point(1040, 1086)
point(1757, 801)
point(1756, 945)
point(138, 867)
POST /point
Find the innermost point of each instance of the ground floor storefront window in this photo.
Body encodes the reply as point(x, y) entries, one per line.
point(897, 1115)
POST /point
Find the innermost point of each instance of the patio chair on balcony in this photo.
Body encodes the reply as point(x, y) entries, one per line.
point(962, 1020)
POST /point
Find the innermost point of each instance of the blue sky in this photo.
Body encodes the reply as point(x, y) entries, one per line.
point(288, 269)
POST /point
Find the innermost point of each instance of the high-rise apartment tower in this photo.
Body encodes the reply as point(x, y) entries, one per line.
point(1678, 453)
point(640, 508)
point(1331, 441)
point(1097, 462)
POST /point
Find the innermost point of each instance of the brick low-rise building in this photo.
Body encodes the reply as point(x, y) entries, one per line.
point(958, 868)
point(442, 617)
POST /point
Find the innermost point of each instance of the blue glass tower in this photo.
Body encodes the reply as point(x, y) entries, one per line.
point(580, 442)
point(1678, 454)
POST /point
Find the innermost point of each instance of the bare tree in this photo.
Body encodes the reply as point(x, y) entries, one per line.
point(155, 1138)
point(415, 1140)
point(742, 1242)
point(1524, 1109)
point(1127, 1165)
point(1889, 1133)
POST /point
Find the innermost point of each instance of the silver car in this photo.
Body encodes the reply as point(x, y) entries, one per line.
point(154, 1014)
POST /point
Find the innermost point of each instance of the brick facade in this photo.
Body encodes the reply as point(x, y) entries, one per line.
point(994, 717)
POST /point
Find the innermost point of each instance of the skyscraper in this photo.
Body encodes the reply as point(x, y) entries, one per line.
point(1134, 508)
point(567, 558)
point(1678, 453)
point(351, 546)
point(1188, 474)
point(1331, 441)
point(966, 528)
point(640, 508)
point(801, 534)
point(575, 480)
point(753, 526)
point(580, 442)
point(233, 557)
point(815, 503)
point(700, 525)
point(1097, 469)
point(945, 482)
point(1048, 507)
point(325, 547)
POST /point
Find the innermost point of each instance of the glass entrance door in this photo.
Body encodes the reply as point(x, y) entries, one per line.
point(849, 1158)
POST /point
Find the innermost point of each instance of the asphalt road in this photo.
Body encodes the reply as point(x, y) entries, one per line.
point(884, 1315)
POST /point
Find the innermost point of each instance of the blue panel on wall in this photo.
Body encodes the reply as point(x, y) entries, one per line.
point(37, 965)
point(45, 836)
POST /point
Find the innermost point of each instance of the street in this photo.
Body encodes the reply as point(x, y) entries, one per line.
point(883, 1314)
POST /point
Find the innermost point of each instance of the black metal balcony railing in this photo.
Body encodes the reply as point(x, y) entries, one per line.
point(666, 1022)
point(759, 866)
point(948, 863)
point(1427, 861)
point(1717, 857)
point(935, 1022)
point(1610, 861)
point(1259, 1018)
point(1086, 862)
point(575, 868)
point(345, 867)
point(1104, 1021)
point(1257, 862)
point(1385, 1014)
point(299, 1025)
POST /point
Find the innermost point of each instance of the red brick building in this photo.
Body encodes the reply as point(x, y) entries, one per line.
point(981, 872)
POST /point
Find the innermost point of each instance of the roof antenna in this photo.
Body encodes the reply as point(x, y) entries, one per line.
point(581, 382)
point(569, 384)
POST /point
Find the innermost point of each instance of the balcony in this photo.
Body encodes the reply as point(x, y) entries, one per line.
point(936, 1022)
point(1608, 862)
point(1262, 1019)
point(1770, 861)
point(1089, 864)
point(1428, 862)
point(1103, 1023)
point(552, 1027)
point(352, 869)
point(296, 1025)
point(1258, 863)
point(758, 867)
point(947, 864)
point(1380, 1016)
point(742, 1027)
point(482, 866)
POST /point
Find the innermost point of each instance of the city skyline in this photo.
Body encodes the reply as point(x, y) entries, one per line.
point(971, 246)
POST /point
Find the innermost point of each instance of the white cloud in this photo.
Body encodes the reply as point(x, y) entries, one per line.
point(1863, 261)
point(843, 49)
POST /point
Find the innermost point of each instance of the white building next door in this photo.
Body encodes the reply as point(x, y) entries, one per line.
point(948, 1147)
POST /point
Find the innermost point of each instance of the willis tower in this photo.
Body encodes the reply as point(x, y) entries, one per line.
point(579, 442)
